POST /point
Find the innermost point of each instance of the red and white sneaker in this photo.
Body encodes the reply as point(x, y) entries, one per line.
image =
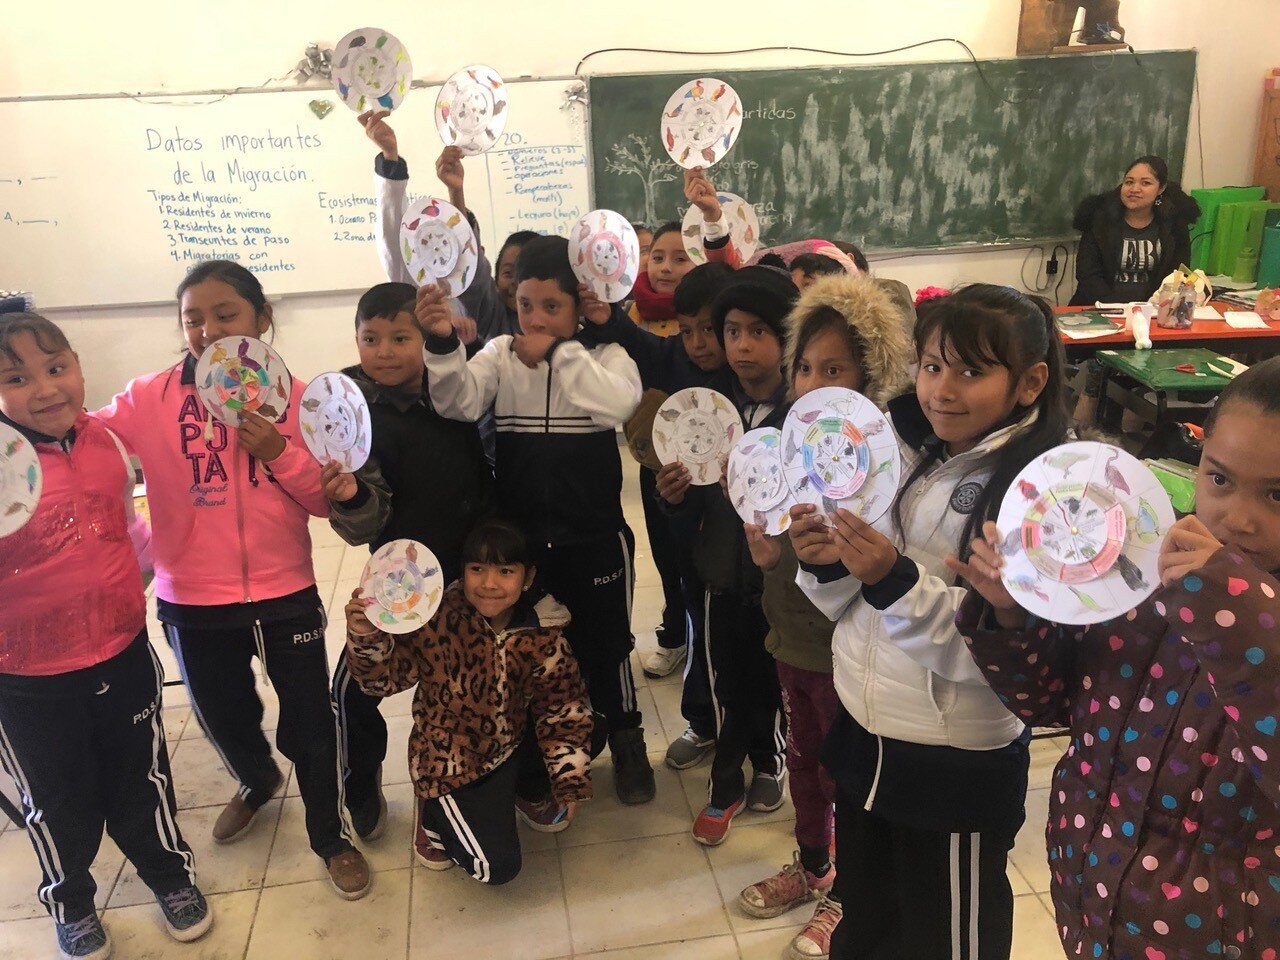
point(814, 941)
point(785, 890)
point(712, 824)
point(545, 816)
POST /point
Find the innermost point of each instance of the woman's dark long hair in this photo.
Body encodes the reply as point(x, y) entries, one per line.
point(984, 325)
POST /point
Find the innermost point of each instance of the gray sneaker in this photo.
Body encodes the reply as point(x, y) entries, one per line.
point(84, 939)
point(765, 793)
point(186, 914)
point(689, 750)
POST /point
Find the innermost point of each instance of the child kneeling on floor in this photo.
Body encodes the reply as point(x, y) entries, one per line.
point(497, 685)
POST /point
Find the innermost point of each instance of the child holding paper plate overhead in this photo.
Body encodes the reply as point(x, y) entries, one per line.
point(1163, 817)
point(80, 687)
point(498, 692)
point(930, 767)
point(230, 501)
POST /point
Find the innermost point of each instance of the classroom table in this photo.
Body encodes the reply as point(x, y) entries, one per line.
point(1256, 344)
point(1137, 373)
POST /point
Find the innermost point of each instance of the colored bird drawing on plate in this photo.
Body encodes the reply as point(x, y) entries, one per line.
point(238, 375)
point(21, 480)
point(403, 578)
point(1081, 528)
point(334, 417)
point(696, 427)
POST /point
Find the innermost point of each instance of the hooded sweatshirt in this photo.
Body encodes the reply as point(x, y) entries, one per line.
point(70, 588)
point(800, 634)
point(227, 528)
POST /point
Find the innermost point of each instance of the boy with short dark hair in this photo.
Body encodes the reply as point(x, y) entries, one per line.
point(695, 358)
point(557, 403)
point(749, 316)
point(418, 461)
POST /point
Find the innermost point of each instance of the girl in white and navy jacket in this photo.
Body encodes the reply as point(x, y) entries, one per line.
point(930, 767)
point(557, 401)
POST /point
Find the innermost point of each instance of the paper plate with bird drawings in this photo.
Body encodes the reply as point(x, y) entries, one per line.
point(471, 109)
point(371, 70)
point(21, 480)
point(757, 487)
point(605, 254)
point(438, 245)
point(403, 578)
point(838, 450)
point(696, 427)
point(1082, 527)
point(334, 416)
point(739, 216)
point(701, 122)
point(239, 375)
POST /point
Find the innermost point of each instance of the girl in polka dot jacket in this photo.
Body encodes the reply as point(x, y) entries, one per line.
point(1164, 832)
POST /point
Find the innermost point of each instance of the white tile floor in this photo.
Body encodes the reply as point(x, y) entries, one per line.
point(622, 883)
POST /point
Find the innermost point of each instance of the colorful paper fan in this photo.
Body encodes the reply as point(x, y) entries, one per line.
point(371, 70)
point(403, 577)
point(604, 253)
point(471, 109)
point(438, 246)
point(696, 427)
point(839, 450)
point(738, 215)
point(701, 122)
point(757, 487)
point(21, 480)
point(239, 375)
point(1082, 527)
point(334, 417)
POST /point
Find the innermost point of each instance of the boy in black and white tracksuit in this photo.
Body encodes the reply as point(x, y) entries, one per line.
point(559, 475)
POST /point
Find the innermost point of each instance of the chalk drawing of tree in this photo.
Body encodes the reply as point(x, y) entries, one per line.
point(635, 156)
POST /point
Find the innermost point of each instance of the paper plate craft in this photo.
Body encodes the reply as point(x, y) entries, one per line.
point(701, 121)
point(838, 450)
point(371, 70)
point(403, 578)
point(21, 480)
point(334, 416)
point(739, 216)
point(757, 487)
point(471, 109)
point(438, 246)
point(605, 254)
point(239, 375)
point(698, 428)
point(1082, 527)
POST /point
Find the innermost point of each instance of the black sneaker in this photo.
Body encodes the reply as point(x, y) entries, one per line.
point(84, 940)
point(186, 913)
point(370, 820)
point(632, 774)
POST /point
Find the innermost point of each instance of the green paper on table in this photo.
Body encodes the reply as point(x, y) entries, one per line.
point(1084, 325)
point(1158, 369)
point(1178, 480)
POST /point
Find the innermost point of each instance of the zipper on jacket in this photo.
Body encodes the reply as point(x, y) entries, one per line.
point(869, 686)
point(875, 781)
point(244, 553)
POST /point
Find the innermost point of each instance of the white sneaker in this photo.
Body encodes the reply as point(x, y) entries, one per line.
point(664, 661)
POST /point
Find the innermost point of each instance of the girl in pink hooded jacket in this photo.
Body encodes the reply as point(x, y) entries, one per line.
point(234, 578)
point(80, 699)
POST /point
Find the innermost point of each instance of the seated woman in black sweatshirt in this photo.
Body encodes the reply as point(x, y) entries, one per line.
point(1132, 237)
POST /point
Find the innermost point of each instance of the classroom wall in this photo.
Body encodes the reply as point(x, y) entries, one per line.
point(172, 45)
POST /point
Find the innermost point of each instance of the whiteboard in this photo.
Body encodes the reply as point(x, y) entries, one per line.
point(111, 201)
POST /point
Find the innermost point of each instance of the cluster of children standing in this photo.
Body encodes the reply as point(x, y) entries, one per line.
point(881, 668)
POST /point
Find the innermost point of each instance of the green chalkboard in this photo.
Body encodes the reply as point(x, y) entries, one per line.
point(911, 155)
